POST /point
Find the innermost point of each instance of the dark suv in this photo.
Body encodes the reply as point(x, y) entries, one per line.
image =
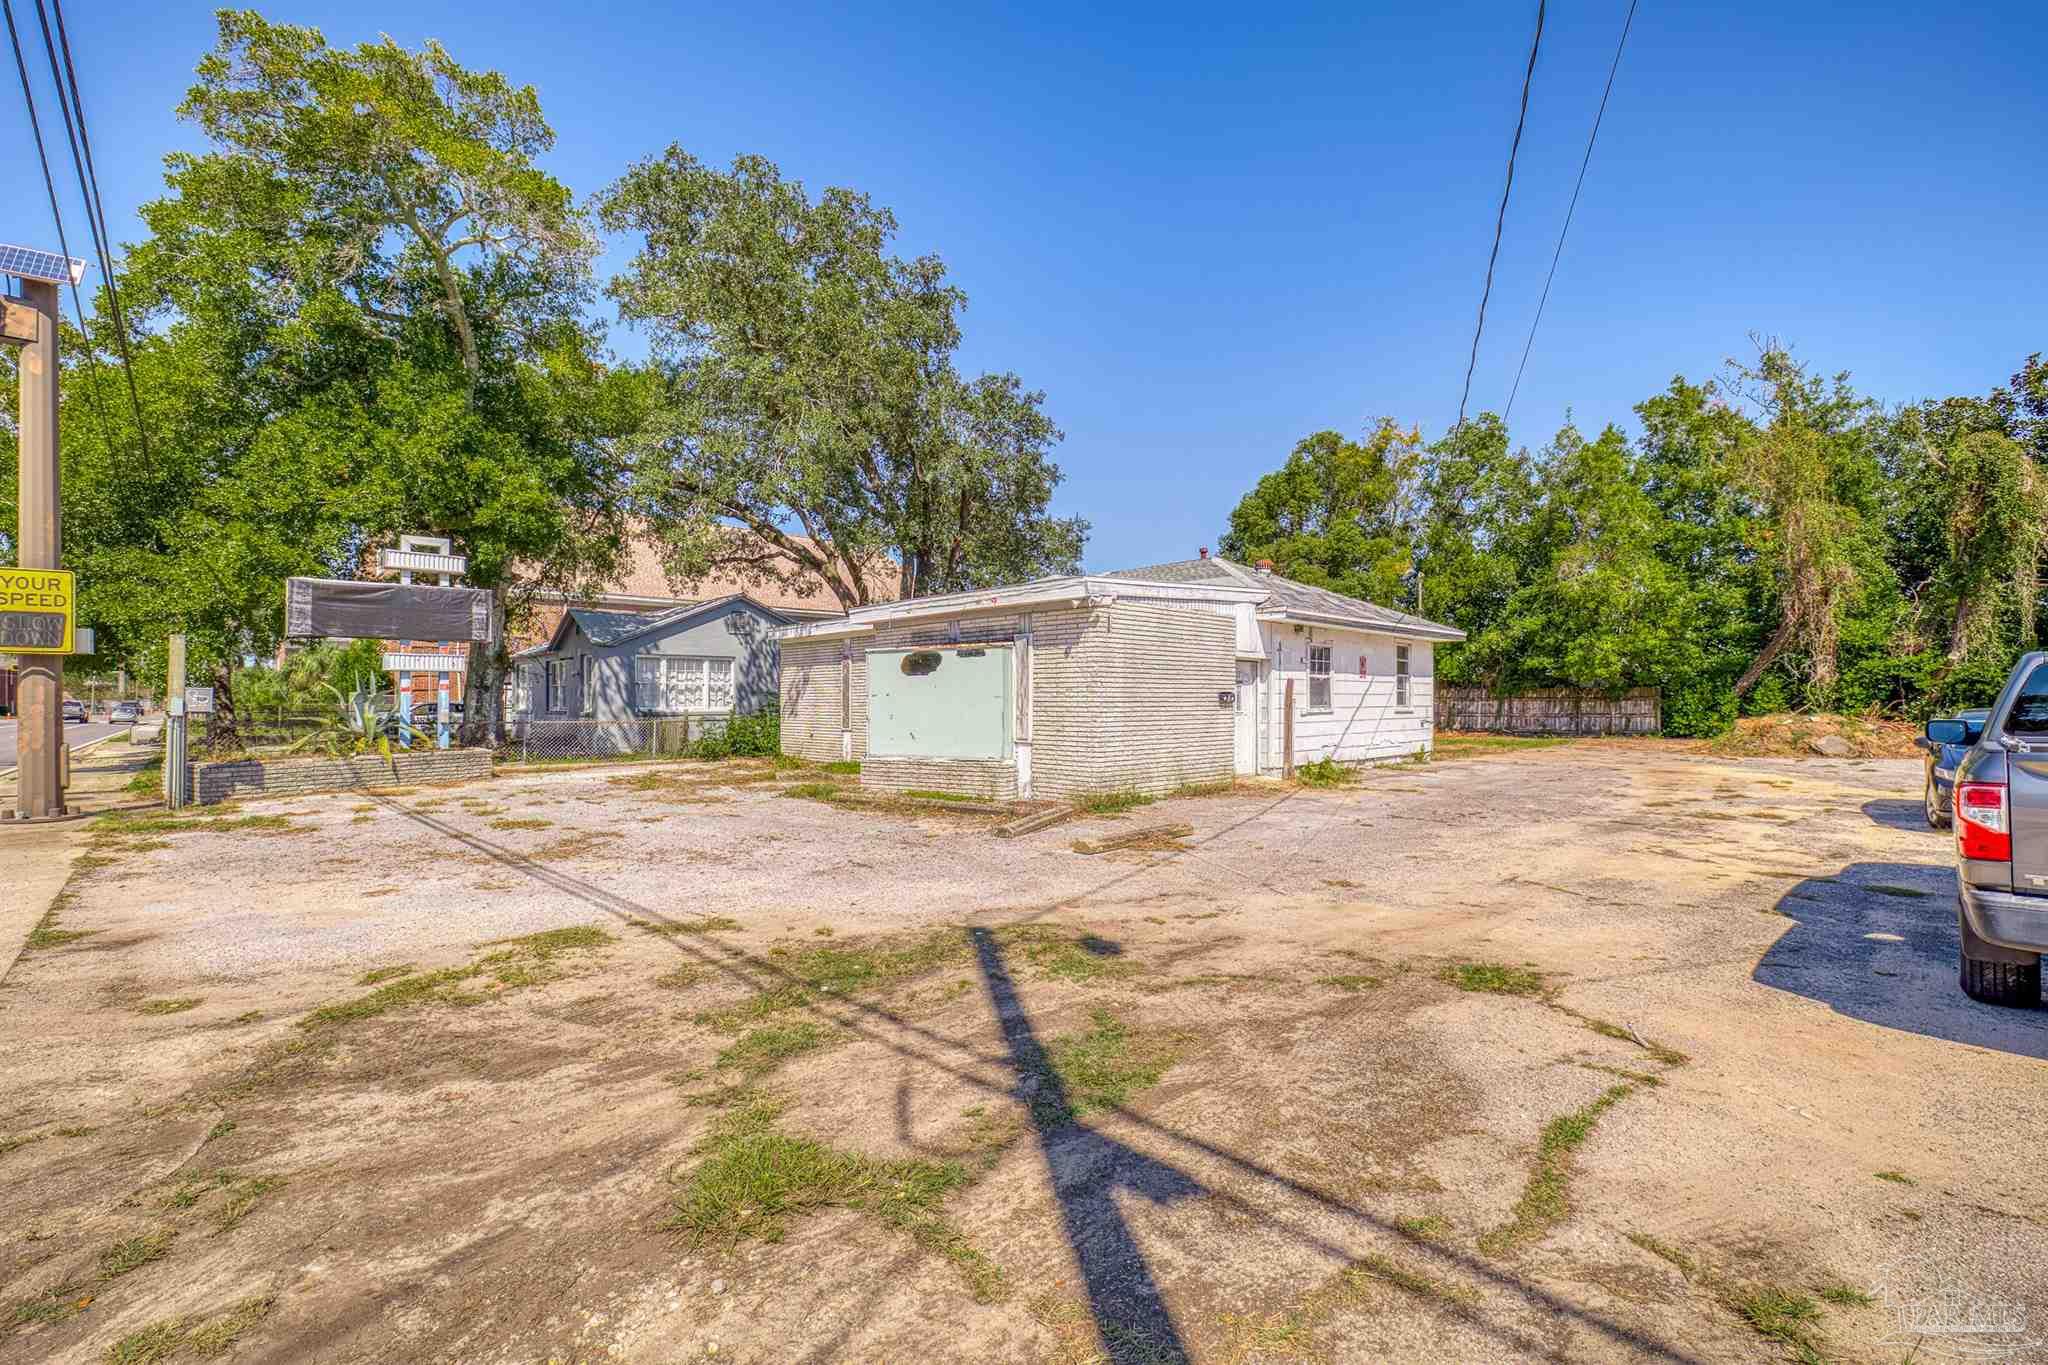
point(2000, 804)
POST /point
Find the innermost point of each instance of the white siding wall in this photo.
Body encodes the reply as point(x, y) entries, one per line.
point(1362, 723)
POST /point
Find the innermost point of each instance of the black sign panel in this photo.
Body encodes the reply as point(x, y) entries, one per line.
point(36, 630)
point(360, 609)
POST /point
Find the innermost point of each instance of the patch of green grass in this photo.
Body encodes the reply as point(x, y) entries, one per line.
point(814, 791)
point(1111, 802)
point(243, 1196)
point(219, 1130)
point(527, 960)
point(1429, 1227)
point(1888, 889)
point(177, 1005)
point(919, 794)
point(1546, 1199)
point(1469, 745)
point(1494, 978)
point(754, 1179)
point(708, 924)
point(1416, 1282)
point(46, 934)
point(1350, 981)
point(1845, 1296)
point(680, 978)
point(1101, 1068)
point(1897, 1177)
point(841, 767)
point(147, 780)
point(1780, 1315)
point(376, 976)
point(52, 1305)
point(1221, 787)
point(522, 822)
point(76, 1132)
point(8, 1144)
point(205, 1337)
point(133, 1253)
point(1325, 772)
point(1666, 1252)
point(761, 1050)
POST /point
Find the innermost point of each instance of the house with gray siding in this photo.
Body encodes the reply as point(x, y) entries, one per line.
point(702, 658)
point(1145, 680)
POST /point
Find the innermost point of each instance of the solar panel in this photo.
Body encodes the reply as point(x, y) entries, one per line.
point(31, 264)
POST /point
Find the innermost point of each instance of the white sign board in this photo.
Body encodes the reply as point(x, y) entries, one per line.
point(198, 701)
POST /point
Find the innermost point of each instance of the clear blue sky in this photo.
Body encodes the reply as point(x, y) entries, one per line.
point(1206, 232)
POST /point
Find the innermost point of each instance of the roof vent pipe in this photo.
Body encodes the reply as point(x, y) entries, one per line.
point(1202, 553)
point(1265, 566)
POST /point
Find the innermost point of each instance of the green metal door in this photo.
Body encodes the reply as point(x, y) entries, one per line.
point(952, 701)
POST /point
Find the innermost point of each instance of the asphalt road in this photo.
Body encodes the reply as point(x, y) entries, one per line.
point(74, 735)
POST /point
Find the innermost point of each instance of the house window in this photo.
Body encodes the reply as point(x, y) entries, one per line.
point(674, 686)
point(586, 678)
point(1318, 677)
point(1400, 675)
point(558, 685)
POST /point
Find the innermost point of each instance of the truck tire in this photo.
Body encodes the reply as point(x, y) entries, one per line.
point(1937, 818)
point(1991, 981)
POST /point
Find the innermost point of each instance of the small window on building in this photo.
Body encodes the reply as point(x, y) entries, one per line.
point(922, 663)
point(1401, 675)
point(1318, 677)
point(586, 685)
point(558, 685)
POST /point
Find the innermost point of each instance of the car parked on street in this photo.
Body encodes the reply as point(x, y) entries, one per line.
point(2000, 805)
point(125, 712)
point(74, 711)
point(1940, 766)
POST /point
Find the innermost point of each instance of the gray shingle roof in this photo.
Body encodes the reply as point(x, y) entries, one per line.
point(1290, 598)
point(610, 627)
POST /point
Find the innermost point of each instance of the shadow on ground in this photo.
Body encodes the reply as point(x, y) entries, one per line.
point(1878, 942)
point(1906, 815)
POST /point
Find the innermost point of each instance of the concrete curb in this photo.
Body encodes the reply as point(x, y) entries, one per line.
point(33, 884)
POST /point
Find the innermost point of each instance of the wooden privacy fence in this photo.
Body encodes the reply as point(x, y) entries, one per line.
point(1551, 711)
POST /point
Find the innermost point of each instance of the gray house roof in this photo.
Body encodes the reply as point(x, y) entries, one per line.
point(604, 628)
point(1294, 601)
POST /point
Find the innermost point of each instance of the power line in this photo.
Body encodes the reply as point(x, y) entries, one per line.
point(1500, 221)
point(49, 183)
point(88, 188)
point(1570, 208)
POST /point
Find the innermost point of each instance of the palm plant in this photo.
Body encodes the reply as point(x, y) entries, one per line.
point(364, 720)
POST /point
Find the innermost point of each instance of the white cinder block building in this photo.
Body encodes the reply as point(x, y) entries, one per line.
point(1147, 680)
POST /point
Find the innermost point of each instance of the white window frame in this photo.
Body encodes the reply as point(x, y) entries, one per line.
point(1323, 674)
point(586, 674)
point(685, 684)
point(1403, 694)
point(557, 686)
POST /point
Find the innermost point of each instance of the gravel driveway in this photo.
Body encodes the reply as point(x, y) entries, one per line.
point(1600, 1052)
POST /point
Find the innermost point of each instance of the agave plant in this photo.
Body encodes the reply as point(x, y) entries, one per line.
point(363, 721)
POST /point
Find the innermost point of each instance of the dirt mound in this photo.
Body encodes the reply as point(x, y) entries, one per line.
point(1797, 735)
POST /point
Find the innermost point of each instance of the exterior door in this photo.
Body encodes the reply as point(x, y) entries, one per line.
point(1246, 749)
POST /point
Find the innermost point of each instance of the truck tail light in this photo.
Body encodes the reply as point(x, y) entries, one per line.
point(1983, 826)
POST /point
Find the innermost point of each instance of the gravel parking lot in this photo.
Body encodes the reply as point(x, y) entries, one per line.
point(1605, 1051)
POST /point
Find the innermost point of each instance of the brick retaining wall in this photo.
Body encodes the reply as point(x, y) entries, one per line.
point(215, 782)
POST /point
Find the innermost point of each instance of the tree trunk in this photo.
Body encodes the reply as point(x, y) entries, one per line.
point(222, 733)
point(1767, 656)
point(483, 685)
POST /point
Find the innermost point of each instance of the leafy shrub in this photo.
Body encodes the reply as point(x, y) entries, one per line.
point(1699, 710)
point(756, 736)
point(1324, 772)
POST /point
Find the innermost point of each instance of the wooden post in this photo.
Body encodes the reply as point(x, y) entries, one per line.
point(1287, 732)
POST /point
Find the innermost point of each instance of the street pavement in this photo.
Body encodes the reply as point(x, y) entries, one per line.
point(74, 735)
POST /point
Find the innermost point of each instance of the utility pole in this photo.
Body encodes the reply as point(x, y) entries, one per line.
point(39, 545)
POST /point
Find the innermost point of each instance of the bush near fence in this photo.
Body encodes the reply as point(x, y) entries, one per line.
point(1551, 711)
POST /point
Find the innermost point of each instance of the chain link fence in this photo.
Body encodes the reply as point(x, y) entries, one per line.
point(532, 738)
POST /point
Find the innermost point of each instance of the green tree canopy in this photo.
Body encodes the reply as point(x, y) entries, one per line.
point(809, 399)
point(1339, 514)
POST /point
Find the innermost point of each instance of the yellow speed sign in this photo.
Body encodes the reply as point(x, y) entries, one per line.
point(38, 610)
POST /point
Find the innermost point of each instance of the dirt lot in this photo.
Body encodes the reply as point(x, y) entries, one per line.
point(1594, 1052)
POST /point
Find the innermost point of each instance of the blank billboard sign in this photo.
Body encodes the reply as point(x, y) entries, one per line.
point(951, 701)
point(362, 609)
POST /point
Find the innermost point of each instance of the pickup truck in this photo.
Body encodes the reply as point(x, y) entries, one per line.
point(2000, 805)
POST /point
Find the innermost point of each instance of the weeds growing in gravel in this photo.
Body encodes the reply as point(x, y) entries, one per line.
point(527, 960)
point(1493, 978)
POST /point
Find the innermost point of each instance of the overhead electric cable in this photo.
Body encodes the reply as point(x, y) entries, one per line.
point(1570, 208)
point(1500, 220)
point(56, 214)
point(81, 155)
